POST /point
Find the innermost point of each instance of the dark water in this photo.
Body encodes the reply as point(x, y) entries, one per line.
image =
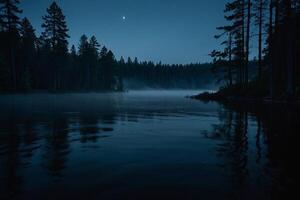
point(144, 145)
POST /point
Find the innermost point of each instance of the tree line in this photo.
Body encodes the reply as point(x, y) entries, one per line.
point(141, 75)
point(274, 27)
point(29, 62)
point(45, 62)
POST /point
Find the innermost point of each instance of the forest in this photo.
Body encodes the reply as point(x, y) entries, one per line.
point(31, 63)
point(268, 28)
point(274, 27)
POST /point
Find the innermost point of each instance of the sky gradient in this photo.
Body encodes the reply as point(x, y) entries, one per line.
point(171, 31)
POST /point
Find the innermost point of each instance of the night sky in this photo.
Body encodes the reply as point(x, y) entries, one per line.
point(171, 31)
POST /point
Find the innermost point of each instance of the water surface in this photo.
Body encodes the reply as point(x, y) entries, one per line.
point(143, 145)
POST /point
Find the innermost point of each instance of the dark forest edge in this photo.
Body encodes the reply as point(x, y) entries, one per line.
point(29, 63)
point(277, 26)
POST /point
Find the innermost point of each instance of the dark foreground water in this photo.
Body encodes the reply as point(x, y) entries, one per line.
point(144, 145)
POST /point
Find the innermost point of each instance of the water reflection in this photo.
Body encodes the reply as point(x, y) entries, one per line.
point(56, 147)
point(43, 128)
point(260, 163)
point(138, 146)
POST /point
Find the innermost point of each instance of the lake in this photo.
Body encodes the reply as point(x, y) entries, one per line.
point(144, 145)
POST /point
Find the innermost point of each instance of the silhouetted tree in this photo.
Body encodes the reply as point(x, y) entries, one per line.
point(282, 46)
point(94, 68)
point(83, 49)
point(55, 31)
point(249, 4)
point(108, 63)
point(44, 62)
point(28, 49)
point(236, 15)
point(260, 7)
point(223, 59)
point(10, 22)
point(235, 50)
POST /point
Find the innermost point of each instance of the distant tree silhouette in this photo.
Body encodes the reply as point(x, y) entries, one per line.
point(122, 61)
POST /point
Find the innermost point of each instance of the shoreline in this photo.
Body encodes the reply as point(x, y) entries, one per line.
point(206, 96)
point(59, 92)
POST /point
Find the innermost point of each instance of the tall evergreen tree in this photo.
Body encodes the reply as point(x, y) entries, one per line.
point(10, 22)
point(249, 4)
point(103, 52)
point(9, 12)
point(55, 29)
point(28, 51)
point(94, 46)
point(83, 50)
point(260, 8)
point(56, 33)
point(234, 49)
point(223, 59)
point(108, 63)
point(94, 70)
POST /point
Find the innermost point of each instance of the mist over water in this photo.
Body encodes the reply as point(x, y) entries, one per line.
point(142, 145)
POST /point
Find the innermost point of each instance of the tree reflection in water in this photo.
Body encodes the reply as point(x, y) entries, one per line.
point(274, 143)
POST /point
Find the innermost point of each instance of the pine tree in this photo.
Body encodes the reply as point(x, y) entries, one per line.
point(9, 23)
point(108, 63)
point(28, 43)
point(260, 7)
point(55, 29)
point(223, 59)
point(234, 53)
point(103, 52)
point(83, 45)
point(55, 33)
point(247, 52)
point(94, 70)
point(236, 16)
point(94, 47)
point(9, 12)
point(83, 50)
point(27, 33)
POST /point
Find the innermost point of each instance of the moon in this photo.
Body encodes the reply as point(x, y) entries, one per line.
point(123, 17)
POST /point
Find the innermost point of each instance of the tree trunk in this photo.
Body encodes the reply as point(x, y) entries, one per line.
point(247, 42)
point(242, 71)
point(11, 50)
point(230, 59)
point(260, 39)
point(271, 71)
point(275, 52)
point(289, 35)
